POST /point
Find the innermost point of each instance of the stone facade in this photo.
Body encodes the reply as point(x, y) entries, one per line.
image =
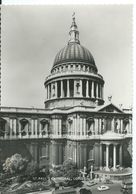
point(75, 122)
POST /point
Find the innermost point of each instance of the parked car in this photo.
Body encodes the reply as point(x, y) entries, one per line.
point(103, 188)
point(108, 181)
point(126, 187)
point(91, 183)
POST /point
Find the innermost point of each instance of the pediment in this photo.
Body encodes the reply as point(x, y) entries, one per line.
point(110, 108)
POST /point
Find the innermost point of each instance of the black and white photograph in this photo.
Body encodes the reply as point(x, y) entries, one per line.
point(66, 99)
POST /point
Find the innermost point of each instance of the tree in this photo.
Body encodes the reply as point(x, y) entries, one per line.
point(70, 169)
point(15, 164)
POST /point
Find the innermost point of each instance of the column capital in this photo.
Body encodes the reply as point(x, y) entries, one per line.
point(115, 144)
point(106, 143)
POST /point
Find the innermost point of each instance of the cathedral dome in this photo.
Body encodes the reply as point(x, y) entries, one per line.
point(74, 78)
point(74, 52)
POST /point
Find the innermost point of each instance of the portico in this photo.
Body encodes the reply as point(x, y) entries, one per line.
point(110, 155)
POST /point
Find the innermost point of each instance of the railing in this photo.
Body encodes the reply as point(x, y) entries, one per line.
point(64, 136)
point(76, 72)
point(21, 109)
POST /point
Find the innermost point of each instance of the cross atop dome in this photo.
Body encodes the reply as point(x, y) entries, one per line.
point(74, 33)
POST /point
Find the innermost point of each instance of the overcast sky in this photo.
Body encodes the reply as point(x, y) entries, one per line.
point(32, 36)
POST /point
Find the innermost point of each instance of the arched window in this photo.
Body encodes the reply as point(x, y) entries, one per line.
point(102, 126)
point(108, 124)
point(116, 126)
point(77, 67)
point(125, 125)
point(71, 66)
point(44, 127)
point(90, 122)
point(66, 67)
point(24, 126)
point(70, 121)
point(2, 127)
point(53, 90)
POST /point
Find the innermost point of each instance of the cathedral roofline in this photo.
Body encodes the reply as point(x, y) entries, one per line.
point(65, 110)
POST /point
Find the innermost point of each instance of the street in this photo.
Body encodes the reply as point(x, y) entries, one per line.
point(114, 189)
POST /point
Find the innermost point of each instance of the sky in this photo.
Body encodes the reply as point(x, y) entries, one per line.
point(32, 36)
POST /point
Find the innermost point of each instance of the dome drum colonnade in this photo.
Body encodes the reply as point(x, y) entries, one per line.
point(74, 73)
point(74, 88)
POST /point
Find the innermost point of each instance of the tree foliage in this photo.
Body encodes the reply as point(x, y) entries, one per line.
point(15, 164)
point(70, 169)
point(85, 191)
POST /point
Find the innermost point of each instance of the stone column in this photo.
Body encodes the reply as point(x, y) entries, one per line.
point(107, 157)
point(84, 127)
point(35, 126)
point(81, 85)
point(81, 126)
point(46, 92)
point(62, 92)
point(114, 156)
point(96, 126)
point(120, 155)
point(60, 127)
point(92, 91)
point(56, 89)
point(53, 127)
point(112, 125)
point(100, 126)
point(60, 153)
point(87, 88)
point(97, 88)
point(68, 92)
point(102, 91)
point(55, 153)
point(19, 129)
point(100, 156)
point(40, 129)
point(51, 90)
point(74, 88)
point(76, 126)
point(15, 126)
point(32, 128)
point(130, 126)
point(28, 128)
point(75, 153)
point(121, 125)
point(73, 126)
point(11, 127)
point(48, 89)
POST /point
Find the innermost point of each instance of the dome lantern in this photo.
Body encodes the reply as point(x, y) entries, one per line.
point(74, 33)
